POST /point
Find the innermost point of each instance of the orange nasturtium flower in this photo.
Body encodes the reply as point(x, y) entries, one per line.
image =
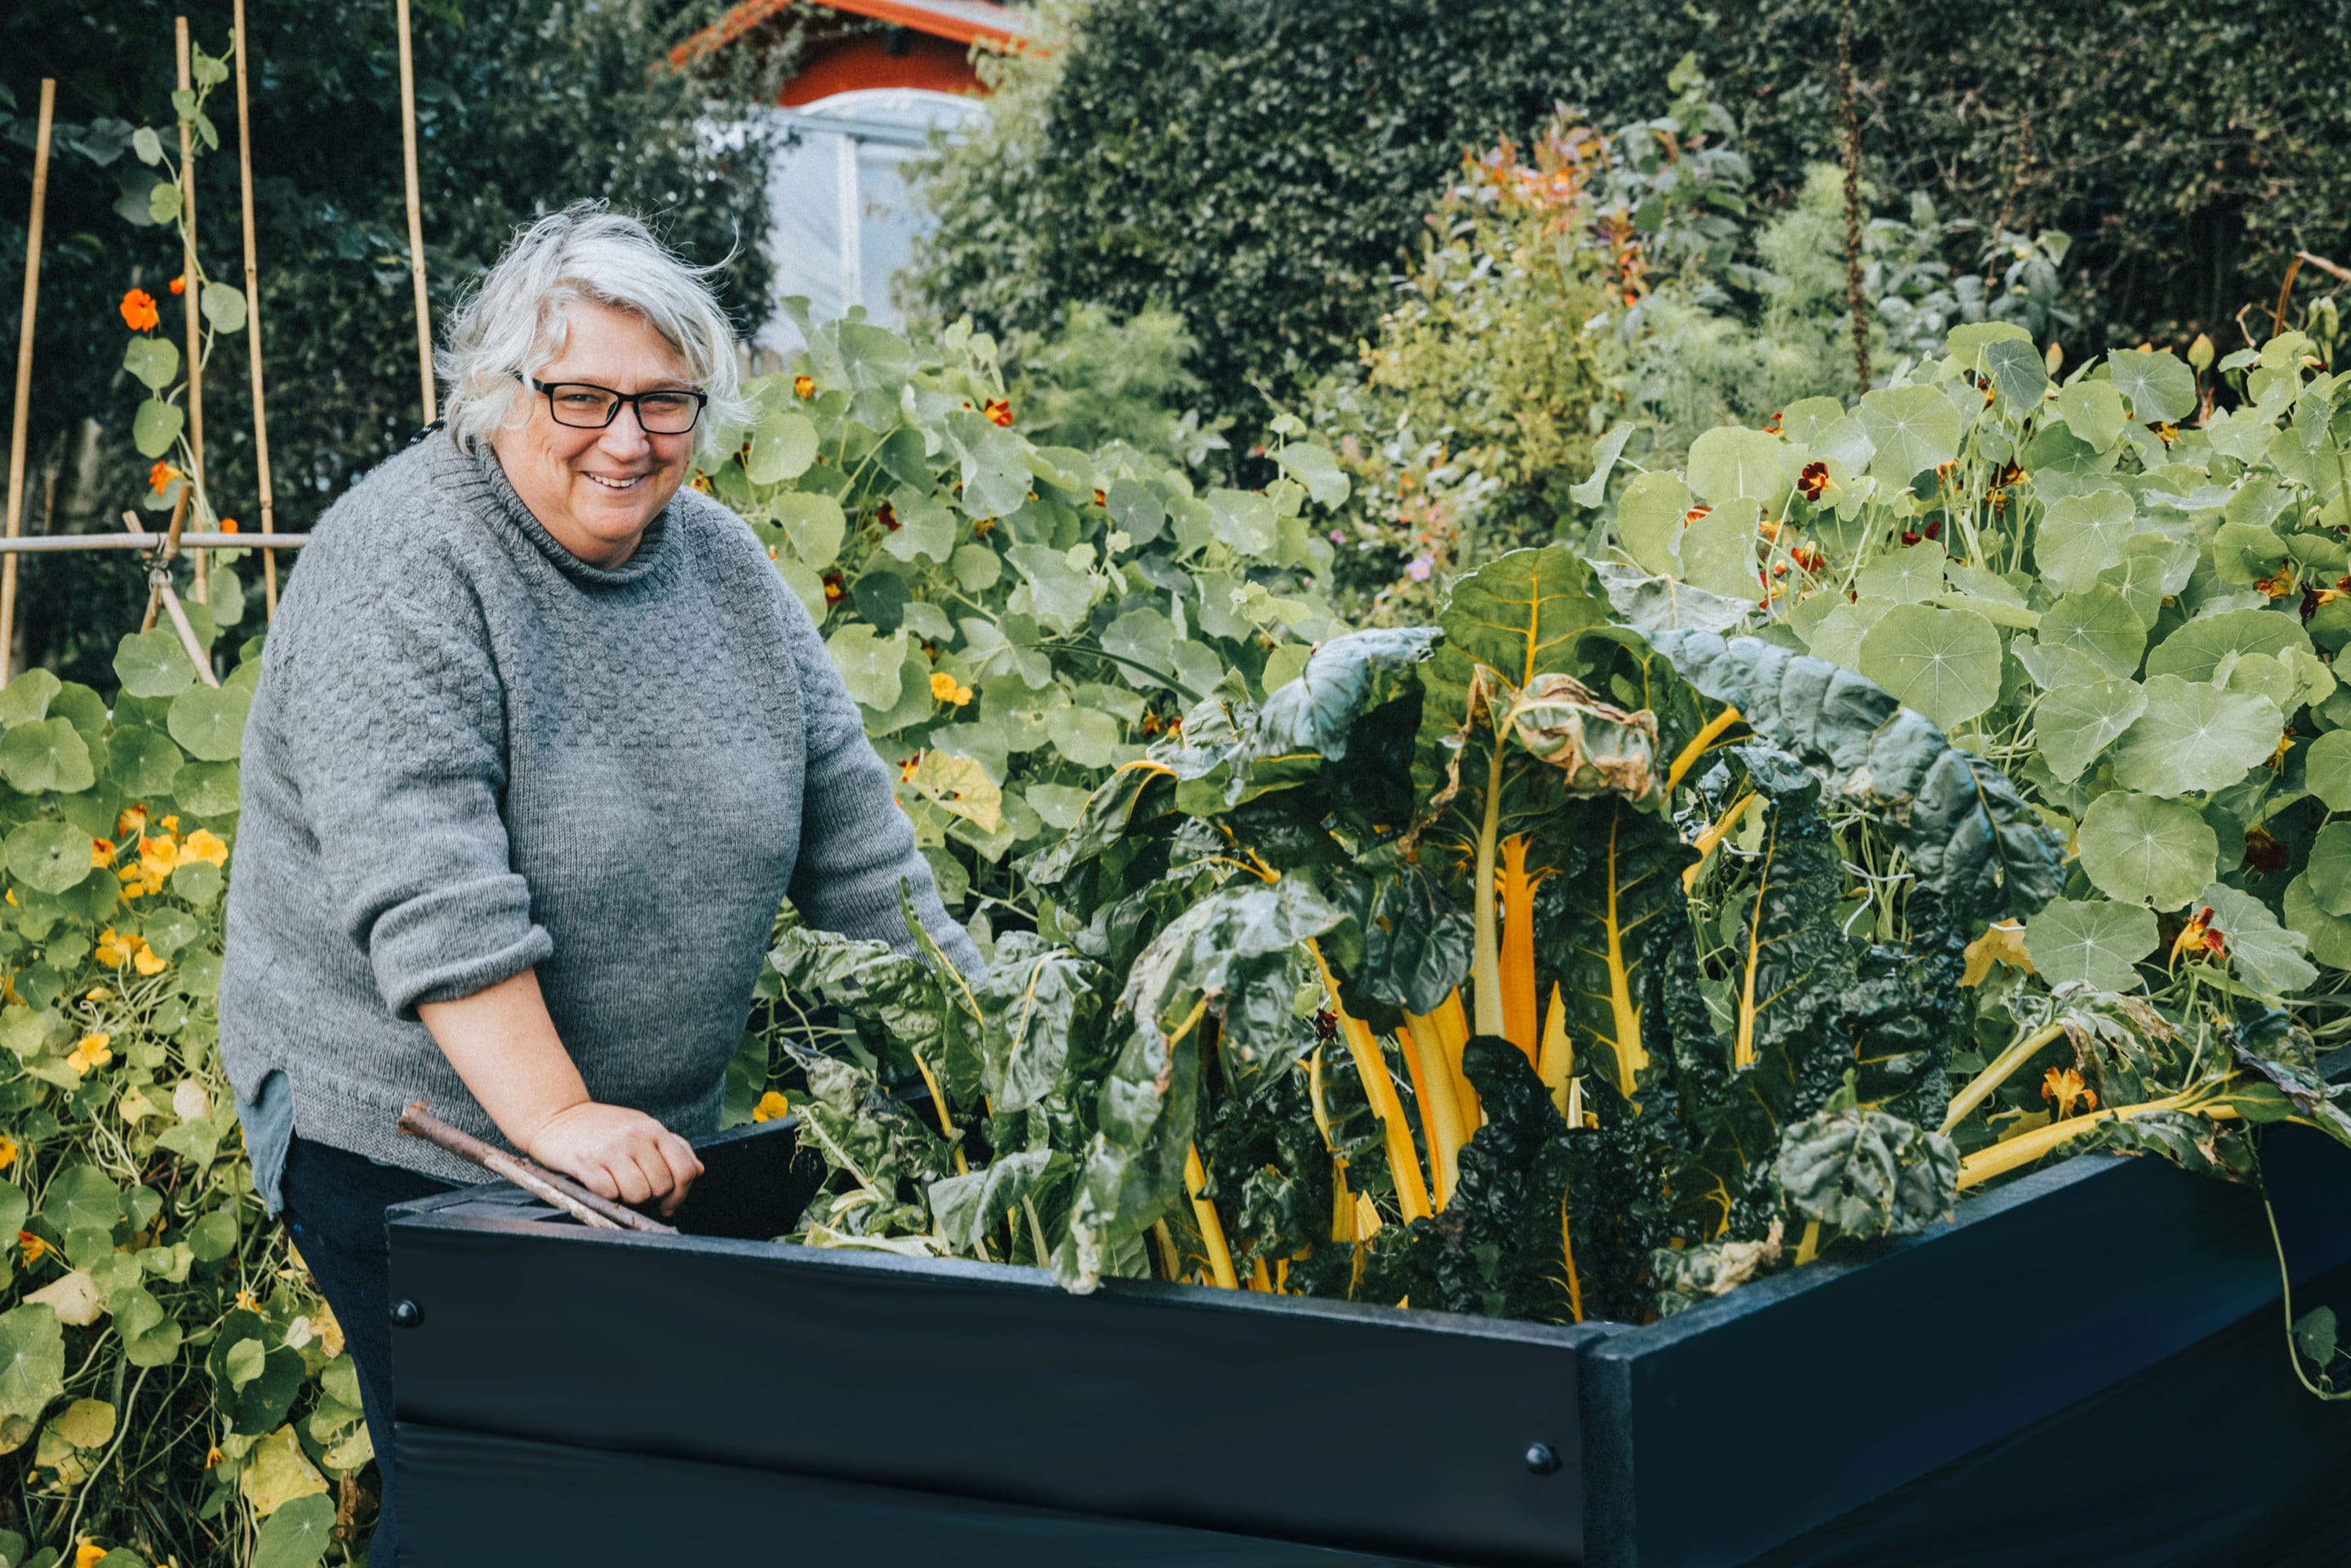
point(161, 474)
point(34, 1249)
point(2063, 1089)
point(8, 1151)
point(138, 309)
point(804, 386)
point(2199, 936)
point(772, 1106)
point(998, 411)
point(100, 853)
point(228, 525)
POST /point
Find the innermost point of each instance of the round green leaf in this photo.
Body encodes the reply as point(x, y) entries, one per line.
point(2259, 675)
point(156, 426)
point(2019, 376)
point(2094, 941)
point(1087, 737)
point(2082, 535)
point(46, 755)
point(1914, 429)
point(2074, 726)
point(151, 664)
point(2099, 622)
point(2327, 769)
point(2264, 955)
point(296, 1534)
point(2093, 411)
point(1837, 635)
point(2330, 868)
point(155, 362)
point(81, 1197)
point(27, 696)
point(209, 721)
point(198, 881)
point(782, 447)
point(1728, 461)
point(870, 665)
point(47, 857)
point(223, 306)
point(32, 1359)
point(2196, 738)
point(2329, 935)
point(815, 524)
point(1649, 515)
point(2159, 387)
point(976, 567)
point(207, 789)
point(1718, 551)
point(2145, 851)
point(1906, 577)
point(142, 762)
point(1943, 663)
point(213, 1236)
point(2205, 648)
point(151, 1336)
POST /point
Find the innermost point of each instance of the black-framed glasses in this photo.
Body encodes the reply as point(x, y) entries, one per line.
point(584, 406)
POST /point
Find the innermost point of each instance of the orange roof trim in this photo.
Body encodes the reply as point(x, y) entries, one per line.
point(962, 21)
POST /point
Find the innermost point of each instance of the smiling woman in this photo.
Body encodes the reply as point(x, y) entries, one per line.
point(508, 658)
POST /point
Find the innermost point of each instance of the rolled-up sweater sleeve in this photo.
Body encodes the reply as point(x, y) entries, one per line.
point(394, 724)
point(856, 844)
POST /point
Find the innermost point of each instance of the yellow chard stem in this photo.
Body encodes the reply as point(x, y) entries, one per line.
point(1518, 958)
point(1998, 1072)
point(1687, 758)
point(1810, 1247)
point(2026, 1148)
point(1485, 962)
point(1412, 1190)
point(1452, 1032)
point(1440, 1125)
point(1204, 1213)
point(1555, 1064)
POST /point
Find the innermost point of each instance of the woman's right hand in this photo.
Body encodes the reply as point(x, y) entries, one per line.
point(617, 1153)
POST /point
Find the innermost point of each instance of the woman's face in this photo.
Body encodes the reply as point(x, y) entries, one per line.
point(596, 490)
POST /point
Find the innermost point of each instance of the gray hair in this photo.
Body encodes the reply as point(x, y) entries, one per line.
point(512, 321)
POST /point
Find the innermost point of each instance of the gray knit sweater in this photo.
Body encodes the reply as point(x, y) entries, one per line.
point(471, 753)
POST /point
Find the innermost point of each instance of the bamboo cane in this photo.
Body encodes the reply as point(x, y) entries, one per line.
point(190, 292)
point(158, 579)
point(253, 321)
point(588, 1208)
point(415, 218)
point(25, 374)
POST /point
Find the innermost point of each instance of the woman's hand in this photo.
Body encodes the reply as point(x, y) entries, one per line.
point(617, 1153)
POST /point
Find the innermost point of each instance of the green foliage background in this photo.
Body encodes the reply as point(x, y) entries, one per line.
point(1282, 158)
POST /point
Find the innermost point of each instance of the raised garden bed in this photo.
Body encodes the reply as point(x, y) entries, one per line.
point(2090, 1356)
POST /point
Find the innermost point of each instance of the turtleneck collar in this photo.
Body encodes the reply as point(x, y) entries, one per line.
point(479, 475)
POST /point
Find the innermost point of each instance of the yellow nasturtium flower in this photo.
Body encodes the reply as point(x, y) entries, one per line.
point(90, 1051)
point(946, 689)
point(8, 1151)
point(205, 845)
point(772, 1106)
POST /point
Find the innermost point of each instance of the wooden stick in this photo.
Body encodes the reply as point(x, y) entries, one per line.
point(536, 1180)
point(2342, 274)
point(190, 291)
point(24, 373)
point(74, 544)
point(253, 321)
point(159, 586)
point(2285, 295)
point(171, 547)
point(416, 219)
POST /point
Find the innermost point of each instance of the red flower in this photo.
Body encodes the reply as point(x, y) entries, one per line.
point(835, 590)
point(1813, 481)
point(180, 284)
point(887, 516)
point(804, 386)
point(1694, 514)
point(998, 411)
point(138, 309)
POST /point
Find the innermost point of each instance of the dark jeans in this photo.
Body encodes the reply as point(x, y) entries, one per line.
point(334, 1211)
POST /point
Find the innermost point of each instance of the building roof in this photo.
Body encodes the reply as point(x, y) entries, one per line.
point(960, 21)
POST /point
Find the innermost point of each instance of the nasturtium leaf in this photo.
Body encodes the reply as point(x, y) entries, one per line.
point(81, 1197)
point(2098, 622)
point(2330, 868)
point(2074, 725)
point(880, 596)
point(2201, 650)
point(815, 525)
point(2096, 942)
point(1144, 642)
point(85, 1423)
point(213, 1236)
point(142, 762)
point(1135, 509)
point(2329, 935)
point(2052, 668)
point(209, 722)
point(2327, 769)
point(2159, 387)
point(2315, 1336)
point(1837, 635)
point(223, 306)
point(2093, 411)
point(2082, 535)
point(27, 696)
point(976, 567)
point(276, 1472)
point(1311, 463)
point(1905, 577)
point(1943, 663)
point(47, 857)
point(1649, 520)
point(151, 1336)
point(156, 426)
point(2019, 376)
point(783, 445)
point(926, 528)
point(2243, 556)
point(207, 789)
point(1718, 551)
point(163, 202)
point(1728, 461)
point(1913, 428)
point(1061, 805)
point(298, 1534)
point(1968, 341)
point(2153, 568)
point(1087, 737)
point(2258, 675)
point(870, 665)
point(153, 663)
point(32, 1359)
point(2195, 737)
point(153, 362)
point(2141, 849)
point(2267, 957)
point(1056, 593)
point(1592, 491)
point(46, 755)
point(1244, 520)
point(1283, 664)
